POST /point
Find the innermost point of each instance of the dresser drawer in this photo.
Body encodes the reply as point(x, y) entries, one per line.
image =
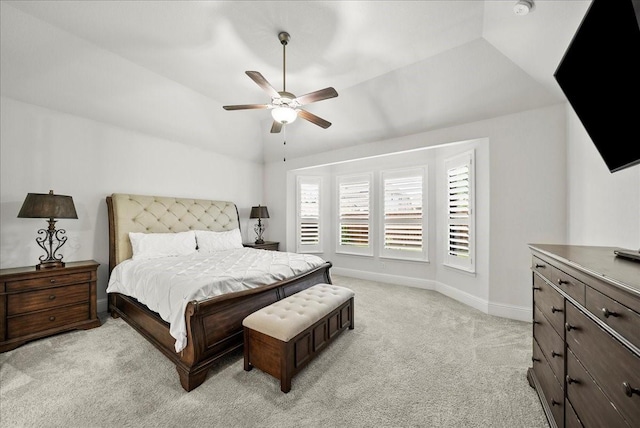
point(542, 267)
point(568, 284)
point(24, 325)
point(587, 399)
point(44, 299)
point(48, 281)
point(550, 302)
point(617, 316)
point(571, 420)
point(551, 388)
point(550, 342)
point(608, 362)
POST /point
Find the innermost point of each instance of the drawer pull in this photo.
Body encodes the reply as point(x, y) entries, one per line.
point(562, 281)
point(535, 322)
point(536, 288)
point(570, 327)
point(554, 310)
point(539, 266)
point(52, 281)
point(629, 390)
point(555, 354)
point(607, 313)
point(555, 403)
point(571, 380)
point(535, 360)
point(52, 297)
point(52, 318)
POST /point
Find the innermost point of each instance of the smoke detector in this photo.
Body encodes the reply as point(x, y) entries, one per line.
point(523, 7)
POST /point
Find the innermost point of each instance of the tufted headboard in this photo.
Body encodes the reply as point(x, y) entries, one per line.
point(159, 214)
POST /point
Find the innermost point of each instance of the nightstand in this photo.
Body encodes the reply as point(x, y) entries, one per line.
point(266, 245)
point(39, 303)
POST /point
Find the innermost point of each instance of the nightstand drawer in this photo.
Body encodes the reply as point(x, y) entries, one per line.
point(24, 325)
point(45, 299)
point(48, 281)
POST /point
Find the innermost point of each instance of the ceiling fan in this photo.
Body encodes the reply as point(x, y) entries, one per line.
point(284, 106)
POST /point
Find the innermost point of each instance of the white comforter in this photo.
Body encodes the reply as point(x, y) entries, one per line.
point(165, 285)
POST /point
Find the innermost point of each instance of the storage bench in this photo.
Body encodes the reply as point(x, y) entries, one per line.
point(282, 338)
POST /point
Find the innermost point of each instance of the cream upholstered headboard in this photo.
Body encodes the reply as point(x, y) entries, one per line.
point(159, 214)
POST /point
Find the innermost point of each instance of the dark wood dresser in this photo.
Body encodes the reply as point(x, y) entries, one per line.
point(586, 336)
point(38, 303)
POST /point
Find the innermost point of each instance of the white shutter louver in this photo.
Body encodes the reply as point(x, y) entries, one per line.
point(309, 214)
point(354, 214)
point(458, 211)
point(403, 213)
point(308, 228)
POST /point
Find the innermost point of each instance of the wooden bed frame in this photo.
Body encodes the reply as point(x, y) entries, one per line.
point(214, 326)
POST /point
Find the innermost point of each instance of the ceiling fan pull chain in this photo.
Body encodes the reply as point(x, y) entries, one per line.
point(284, 148)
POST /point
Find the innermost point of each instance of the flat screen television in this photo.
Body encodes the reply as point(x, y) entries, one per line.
point(600, 76)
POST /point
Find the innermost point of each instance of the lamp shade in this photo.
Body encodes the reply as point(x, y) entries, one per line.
point(259, 212)
point(284, 114)
point(41, 205)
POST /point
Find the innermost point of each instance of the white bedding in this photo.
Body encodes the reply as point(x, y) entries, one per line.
point(165, 285)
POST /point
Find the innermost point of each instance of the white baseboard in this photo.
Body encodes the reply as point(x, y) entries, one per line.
point(497, 309)
point(103, 305)
point(463, 297)
point(386, 278)
point(519, 313)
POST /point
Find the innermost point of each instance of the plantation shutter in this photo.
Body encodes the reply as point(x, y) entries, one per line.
point(354, 214)
point(460, 212)
point(403, 213)
point(308, 218)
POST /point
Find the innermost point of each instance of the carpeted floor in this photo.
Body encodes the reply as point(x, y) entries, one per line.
point(414, 359)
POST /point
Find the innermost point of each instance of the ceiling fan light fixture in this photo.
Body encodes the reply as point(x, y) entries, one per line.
point(284, 115)
point(523, 7)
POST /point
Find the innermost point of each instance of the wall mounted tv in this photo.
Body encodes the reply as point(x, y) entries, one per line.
point(600, 76)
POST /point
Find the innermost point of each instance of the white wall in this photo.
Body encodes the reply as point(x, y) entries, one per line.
point(526, 193)
point(41, 149)
point(604, 207)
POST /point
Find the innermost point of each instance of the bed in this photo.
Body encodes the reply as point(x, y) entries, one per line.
point(213, 325)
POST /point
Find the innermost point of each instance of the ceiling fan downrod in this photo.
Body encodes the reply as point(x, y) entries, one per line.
point(284, 38)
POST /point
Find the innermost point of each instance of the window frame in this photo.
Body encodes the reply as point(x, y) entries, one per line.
point(467, 264)
point(400, 254)
point(348, 249)
point(308, 248)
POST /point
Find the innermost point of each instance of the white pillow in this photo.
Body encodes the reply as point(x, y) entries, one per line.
point(210, 241)
point(153, 245)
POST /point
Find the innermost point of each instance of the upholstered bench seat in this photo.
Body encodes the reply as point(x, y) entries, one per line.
point(282, 338)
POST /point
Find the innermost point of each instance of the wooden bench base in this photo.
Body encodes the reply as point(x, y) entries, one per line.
point(283, 360)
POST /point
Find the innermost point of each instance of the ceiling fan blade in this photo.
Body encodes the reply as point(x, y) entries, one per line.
point(245, 107)
point(320, 95)
point(263, 83)
point(276, 127)
point(313, 119)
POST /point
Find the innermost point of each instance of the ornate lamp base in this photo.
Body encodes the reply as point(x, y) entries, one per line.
point(50, 265)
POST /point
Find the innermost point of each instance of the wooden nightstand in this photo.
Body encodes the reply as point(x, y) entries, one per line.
point(39, 303)
point(267, 245)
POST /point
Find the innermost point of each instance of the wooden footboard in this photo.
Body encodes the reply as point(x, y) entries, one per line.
point(214, 326)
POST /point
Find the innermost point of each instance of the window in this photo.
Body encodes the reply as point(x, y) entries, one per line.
point(404, 216)
point(354, 220)
point(308, 238)
point(460, 232)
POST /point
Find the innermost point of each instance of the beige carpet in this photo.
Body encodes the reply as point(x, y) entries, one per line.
point(415, 359)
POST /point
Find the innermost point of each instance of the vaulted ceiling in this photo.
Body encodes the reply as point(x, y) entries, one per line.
point(166, 68)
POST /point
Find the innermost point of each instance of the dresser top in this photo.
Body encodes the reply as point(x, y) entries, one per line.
point(599, 262)
point(69, 267)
